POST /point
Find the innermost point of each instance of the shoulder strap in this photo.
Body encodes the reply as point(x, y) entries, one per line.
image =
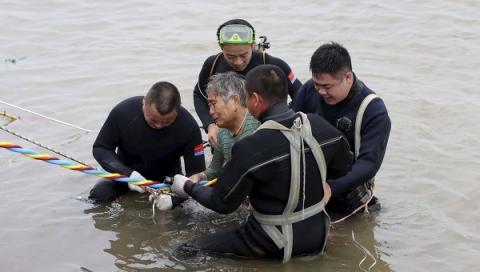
point(300, 131)
point(270, 124)
point(358, 121)
point(212, 69)
point(214, 63)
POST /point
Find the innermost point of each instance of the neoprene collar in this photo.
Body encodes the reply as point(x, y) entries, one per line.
point(278, 112)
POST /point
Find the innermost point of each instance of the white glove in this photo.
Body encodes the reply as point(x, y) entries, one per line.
point(162, 202)
point(134, 187)
point(178, 184)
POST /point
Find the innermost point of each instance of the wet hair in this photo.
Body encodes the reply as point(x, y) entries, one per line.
point(331, 58)
point(235, 22)
point(228, 84)
point(165, 96)
point(269, 81)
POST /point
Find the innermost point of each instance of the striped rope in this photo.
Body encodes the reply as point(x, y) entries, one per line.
point(86, 169)
point(4, 128)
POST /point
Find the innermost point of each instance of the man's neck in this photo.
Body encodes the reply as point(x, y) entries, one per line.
point(277, 112)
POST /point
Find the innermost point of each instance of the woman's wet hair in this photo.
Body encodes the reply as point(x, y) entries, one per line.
point(331, 58)
point(227, 85)
point(235, 22)
point(269, 81)
point(165, 96)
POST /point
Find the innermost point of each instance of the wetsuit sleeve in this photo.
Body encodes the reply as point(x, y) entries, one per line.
point(375, 132)
point(200, 94)
point(233, 185)
point(293, 82)
point(107, 141)
point(193, 154)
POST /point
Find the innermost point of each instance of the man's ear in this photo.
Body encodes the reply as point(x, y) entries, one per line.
point(255, 98)
point(255, 104)
point(261, 101)
point(349, 76)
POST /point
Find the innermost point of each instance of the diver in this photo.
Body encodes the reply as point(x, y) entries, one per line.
point(236, 39)
point(145, 137)
point(282, 168)
point(335, 93)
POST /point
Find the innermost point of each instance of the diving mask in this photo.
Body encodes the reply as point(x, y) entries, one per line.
point(236, 34)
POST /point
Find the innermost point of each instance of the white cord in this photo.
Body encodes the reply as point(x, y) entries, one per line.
point(46, 117)
point(367, 254)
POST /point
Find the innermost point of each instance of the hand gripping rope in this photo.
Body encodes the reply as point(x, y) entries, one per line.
point(81, 167)
point(155, 188)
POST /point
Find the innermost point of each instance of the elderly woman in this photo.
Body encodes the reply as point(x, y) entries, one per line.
point(226, 99)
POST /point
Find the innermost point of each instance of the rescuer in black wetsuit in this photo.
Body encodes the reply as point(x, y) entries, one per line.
point(146, 136)
point(336, 94)
point(236, 38)
point(268, 168)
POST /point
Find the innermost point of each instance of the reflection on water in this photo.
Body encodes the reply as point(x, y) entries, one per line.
point(143, 245)
point(341, 245)
point(146, 243)
point(75, 60)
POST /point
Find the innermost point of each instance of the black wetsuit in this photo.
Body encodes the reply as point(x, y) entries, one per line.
point(222, 66)
point(260, 168)
point(126, 143)
point(374, 136)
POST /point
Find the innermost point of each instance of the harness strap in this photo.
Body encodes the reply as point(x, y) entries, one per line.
point(212, 69)
point(299, 133)
point(276, 235)
point(270, 219)
point(359, 119)
point(358, 126)
point(284, 238)
point(214, 63)
point(362, 190)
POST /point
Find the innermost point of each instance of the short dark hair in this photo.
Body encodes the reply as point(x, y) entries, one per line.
point(331, 58)
point(269, 81)
point(235, 22)
point(165, 96)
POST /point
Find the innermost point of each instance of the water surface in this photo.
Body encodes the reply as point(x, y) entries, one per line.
point(75, 60)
